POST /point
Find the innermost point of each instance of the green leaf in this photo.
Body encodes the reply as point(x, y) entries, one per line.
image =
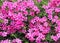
point(1, 3)
point(29, 17)
point(14, 35)
point(42, 14)
point(45, 2)
point(48, 38)
point(25, 40)
point(14, 0)
point(1, 38)
point(1, 21)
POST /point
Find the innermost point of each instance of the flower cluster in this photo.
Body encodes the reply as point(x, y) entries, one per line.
point(52, 9)
point(13, 41)
point(13, 15)
point(39, 27)
point(21, 16)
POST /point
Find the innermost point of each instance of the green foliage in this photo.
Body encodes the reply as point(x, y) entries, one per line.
point(48, 37)
point(41, 14)
point(1, 21)
point(14, 0)
point(44, 2)
point(42, 11)
point(29, 17)
point(1, 2)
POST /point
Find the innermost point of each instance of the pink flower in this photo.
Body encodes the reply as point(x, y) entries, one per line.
point(38, 40)
point(58, 35)
point(41, 36)
point(50, 16)
point(5, 41)
point(55, 38)
point(57, 10)
point(4, 34)
point(30, 37)
point(16, 41)
point(45, 24)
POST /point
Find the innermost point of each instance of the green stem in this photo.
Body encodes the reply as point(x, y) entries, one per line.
point(13, 35)
point(44, 2)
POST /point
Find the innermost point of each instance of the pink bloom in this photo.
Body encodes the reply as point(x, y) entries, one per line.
point(57, 10)
point(5, 41)
point(38, 40)
point(16, 41)
point(58, 35)
point(45, 24)
point(30, 36)
point(4, 34)
point(41, 36)
point(55, 38)
point(50, 16)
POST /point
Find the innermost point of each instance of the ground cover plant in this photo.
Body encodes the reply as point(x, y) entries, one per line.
point(29, 21)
